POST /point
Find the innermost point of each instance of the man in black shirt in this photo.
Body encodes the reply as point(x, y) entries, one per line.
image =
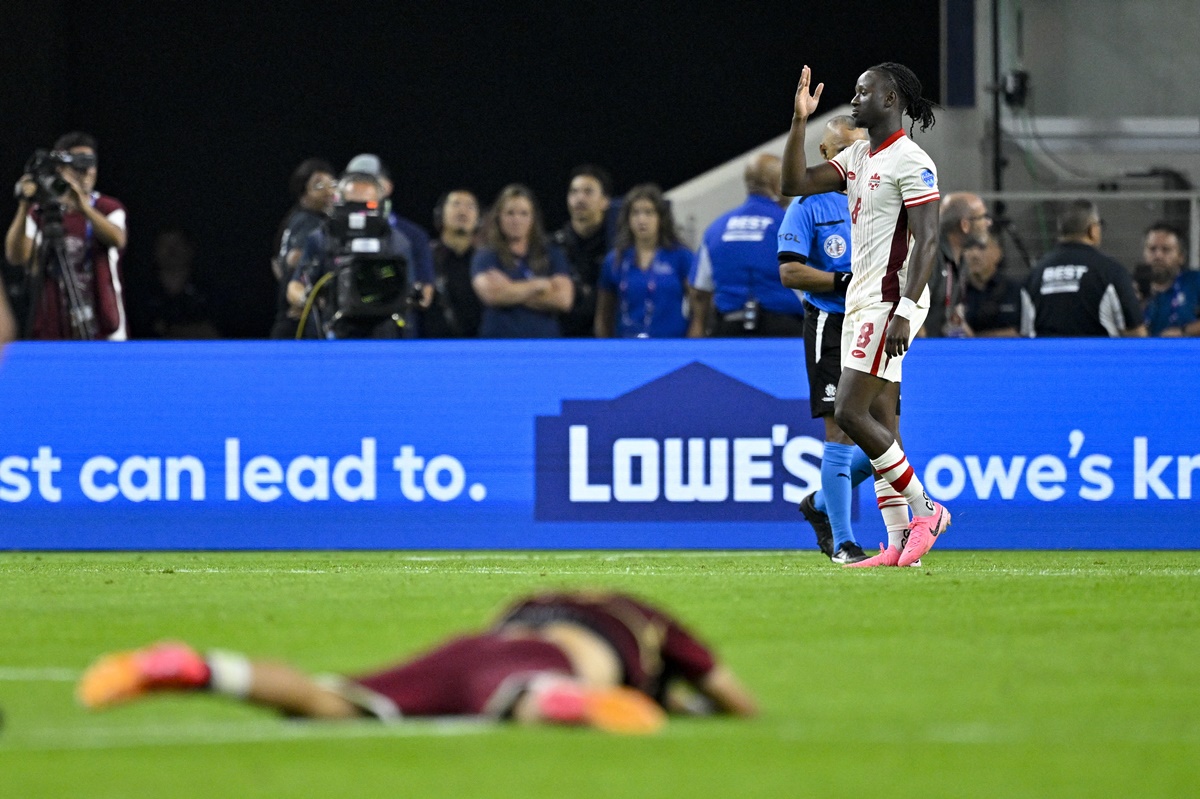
point(964, 221)
point(315, 188)
point(456, 309)
point(1075, 290)
point(585, 242)
point(991, 302)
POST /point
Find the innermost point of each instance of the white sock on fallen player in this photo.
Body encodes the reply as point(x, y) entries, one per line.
point(229, 673)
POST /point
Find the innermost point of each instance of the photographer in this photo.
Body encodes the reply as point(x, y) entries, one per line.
point(368, 264)
point(69, 238)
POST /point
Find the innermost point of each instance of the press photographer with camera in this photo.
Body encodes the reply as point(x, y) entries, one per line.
point(69, 238)
point(355, 278)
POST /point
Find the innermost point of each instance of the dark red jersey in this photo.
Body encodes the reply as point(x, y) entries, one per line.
point(652, 646)
point(474, 675)
point(98, 275)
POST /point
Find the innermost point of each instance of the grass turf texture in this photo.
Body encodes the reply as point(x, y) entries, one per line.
point(984, 674)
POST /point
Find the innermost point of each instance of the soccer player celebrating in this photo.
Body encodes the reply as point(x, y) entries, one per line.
point(892, 193)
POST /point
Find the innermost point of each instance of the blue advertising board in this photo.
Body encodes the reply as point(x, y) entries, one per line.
point(576, 444)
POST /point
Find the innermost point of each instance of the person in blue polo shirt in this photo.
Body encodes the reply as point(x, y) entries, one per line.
point(643, 283)
point(735, 269)
point(814, 257)
point(1173, 306)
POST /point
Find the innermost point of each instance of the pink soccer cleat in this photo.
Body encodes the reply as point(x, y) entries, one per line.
point(615, 709)
point(123, 676)
point(886, 557)
point(922, 534)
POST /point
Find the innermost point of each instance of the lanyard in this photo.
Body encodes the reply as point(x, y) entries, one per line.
point(651, 286)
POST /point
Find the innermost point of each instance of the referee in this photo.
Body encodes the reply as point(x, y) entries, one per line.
point(814, 257)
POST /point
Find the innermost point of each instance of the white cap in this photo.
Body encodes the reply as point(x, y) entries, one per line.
point(366, 164)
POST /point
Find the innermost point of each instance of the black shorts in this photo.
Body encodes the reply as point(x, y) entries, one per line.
point(822, 357)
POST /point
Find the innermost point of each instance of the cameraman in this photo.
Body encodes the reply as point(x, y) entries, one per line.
point(94, 237)
point(320, 254)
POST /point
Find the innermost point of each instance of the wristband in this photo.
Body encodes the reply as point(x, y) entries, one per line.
point(905, 309)
point(841, 282)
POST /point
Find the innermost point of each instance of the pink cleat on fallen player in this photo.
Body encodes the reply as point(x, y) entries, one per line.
point(922, 534)
point(612, 709)
point(123, 676)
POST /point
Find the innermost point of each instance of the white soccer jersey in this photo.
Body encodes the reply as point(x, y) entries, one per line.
point(881, 185)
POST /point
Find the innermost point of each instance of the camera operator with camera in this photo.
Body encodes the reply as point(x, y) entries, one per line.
point(355, 277)
point(69, 238)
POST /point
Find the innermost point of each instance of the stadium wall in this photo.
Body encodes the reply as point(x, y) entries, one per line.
point(591, 444)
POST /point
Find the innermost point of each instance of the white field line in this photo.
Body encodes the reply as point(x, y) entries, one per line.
point(805, 559)
point(58, 739)
point(246, 571)
point(80, 738)
point(816, 570)
point(38, 674)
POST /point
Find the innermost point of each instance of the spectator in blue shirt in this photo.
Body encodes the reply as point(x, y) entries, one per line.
point(523, 280)
point(736, 269)
point(1174, 301)
point(643, 284)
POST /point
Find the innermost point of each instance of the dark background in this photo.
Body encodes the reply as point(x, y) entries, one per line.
point(203, 111)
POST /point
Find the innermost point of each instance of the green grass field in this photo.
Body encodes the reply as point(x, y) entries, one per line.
point(984, 674)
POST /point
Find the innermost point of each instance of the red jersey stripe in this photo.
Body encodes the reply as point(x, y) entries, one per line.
point(890, 287)
point(875, 370)
point(924, 198)
point(888, 142)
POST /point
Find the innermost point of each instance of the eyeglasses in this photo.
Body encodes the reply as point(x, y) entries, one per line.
point(977, 217)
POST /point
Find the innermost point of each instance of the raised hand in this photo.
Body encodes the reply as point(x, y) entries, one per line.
point(806, 103)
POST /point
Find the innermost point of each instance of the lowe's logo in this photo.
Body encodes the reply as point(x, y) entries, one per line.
point(693, 445)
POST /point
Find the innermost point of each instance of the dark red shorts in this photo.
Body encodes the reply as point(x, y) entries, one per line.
point(472, 675)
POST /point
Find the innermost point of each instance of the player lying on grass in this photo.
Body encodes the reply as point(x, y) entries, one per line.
point(603, 660)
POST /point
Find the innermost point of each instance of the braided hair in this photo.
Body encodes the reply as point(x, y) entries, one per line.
point(906, 84)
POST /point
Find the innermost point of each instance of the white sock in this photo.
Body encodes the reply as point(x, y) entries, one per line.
point(894, 467)
point(894, 509)
point(230, 673)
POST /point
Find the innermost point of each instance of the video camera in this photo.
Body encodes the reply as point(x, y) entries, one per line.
point(371, 282)
point(43, 167)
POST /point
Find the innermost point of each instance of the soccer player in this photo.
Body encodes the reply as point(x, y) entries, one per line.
point(893, 192)
point(602, 660)
point(814, 257)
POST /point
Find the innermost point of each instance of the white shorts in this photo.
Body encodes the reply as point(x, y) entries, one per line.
point(864, 333)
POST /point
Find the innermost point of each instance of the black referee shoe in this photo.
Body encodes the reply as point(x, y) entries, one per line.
point(849, 552)
point(820, 524)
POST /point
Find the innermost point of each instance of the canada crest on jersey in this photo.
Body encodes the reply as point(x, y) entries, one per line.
point(873, 183)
